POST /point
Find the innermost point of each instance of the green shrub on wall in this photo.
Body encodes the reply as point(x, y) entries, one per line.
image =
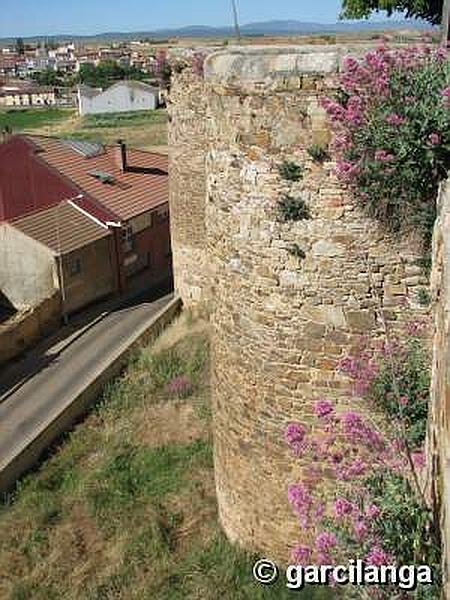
point(290, 171)
point(292, 208)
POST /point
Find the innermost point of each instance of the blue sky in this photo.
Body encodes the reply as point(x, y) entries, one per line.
point(47, 17)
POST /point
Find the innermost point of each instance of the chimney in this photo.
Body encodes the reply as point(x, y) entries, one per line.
point(6, 134)
point(120, 155)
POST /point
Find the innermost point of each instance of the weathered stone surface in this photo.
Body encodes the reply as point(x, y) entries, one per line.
point(279, 324)
point(360, 320)
point(326, 248)
point(438, 442)
point(187, 188)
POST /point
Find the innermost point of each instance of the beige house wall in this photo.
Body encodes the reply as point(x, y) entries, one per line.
point(27, 269)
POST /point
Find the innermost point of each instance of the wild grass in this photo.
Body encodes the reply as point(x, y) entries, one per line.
point(143, 129)
point(124, 507)
point(25, 119)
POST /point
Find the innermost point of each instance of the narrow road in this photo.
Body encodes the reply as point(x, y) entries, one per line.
point(54, 376)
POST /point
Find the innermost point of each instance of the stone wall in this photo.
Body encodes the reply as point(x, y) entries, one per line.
point(281, 323)
point(26, 328)
point(187, 186)
point(439, 430)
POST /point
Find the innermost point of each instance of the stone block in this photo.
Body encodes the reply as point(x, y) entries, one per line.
point(360, 320)
point(327, 248)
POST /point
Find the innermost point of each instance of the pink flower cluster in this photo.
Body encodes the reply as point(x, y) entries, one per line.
point(345, 445)
point(180, 386)
point(446, 96)
point(395, 120)
point(384, 156)
point(378, 557)
point(363, 83)
point(302, 502)
point(362, 369)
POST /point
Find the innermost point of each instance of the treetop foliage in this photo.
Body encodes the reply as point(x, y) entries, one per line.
point(430, 10)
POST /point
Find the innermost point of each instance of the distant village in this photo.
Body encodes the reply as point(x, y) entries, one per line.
point(69, 74)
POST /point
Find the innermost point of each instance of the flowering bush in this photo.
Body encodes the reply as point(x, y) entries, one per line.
point(374, 509)
point(374, 512)
point(164, 68)
point(391, 132)
point(395, 375)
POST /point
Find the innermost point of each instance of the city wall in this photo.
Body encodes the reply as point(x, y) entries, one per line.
point(287, 300)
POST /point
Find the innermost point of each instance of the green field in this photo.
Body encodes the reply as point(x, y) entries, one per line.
point(144, 129)
point(28, 119)
point(125, 507)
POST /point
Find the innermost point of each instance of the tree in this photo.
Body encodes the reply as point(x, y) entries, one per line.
point(430, 10)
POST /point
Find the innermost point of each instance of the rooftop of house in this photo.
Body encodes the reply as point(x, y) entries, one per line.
point(24, 87)
point(90, 92)
point(62, 227)
point(39, 173)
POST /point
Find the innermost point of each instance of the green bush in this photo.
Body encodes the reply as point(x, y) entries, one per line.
point(292, 208)
point(318, 153)
point(402, 387)
point(290, 171)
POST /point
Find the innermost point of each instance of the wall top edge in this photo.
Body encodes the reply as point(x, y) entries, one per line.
point(261, 64)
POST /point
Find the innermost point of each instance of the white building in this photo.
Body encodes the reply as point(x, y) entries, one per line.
point(124, 96)
point(23, 93)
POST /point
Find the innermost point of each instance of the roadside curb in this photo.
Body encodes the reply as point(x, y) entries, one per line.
point(28, 452)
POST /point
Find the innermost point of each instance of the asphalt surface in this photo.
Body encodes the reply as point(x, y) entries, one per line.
point(51, 376)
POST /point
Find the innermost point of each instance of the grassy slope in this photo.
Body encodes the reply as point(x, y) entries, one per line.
point(125, 507)
point(146, 129)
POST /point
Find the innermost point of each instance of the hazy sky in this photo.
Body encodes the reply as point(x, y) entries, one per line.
point(47, 17)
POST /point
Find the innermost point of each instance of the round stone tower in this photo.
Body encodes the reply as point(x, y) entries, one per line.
point(187, 186)
point(290, 298)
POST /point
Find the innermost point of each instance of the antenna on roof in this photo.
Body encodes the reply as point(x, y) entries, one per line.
point(236, 21)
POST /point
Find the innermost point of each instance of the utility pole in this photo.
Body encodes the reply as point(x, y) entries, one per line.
point(236, 21)
point(446, 22)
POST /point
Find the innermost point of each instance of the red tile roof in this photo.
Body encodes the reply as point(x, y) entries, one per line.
point(132, 193)
point(62, 228)
point(26, 182)
point(37, 172)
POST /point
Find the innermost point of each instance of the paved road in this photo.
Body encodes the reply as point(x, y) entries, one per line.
point(48, 380)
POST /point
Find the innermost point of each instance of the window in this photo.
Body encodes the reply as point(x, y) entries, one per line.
point(161, 215)
point(127, 238)
point(74, 267)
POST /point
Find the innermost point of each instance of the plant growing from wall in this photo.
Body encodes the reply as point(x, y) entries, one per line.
point(296, 251)
point(423, 297)
point(292, 208)
point(376, 510)
point(290, 171)
point(391, 128)
point(395, 376)
point(318, 153)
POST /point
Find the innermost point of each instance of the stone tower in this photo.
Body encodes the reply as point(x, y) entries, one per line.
point(287, 299)
point(187, 186)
